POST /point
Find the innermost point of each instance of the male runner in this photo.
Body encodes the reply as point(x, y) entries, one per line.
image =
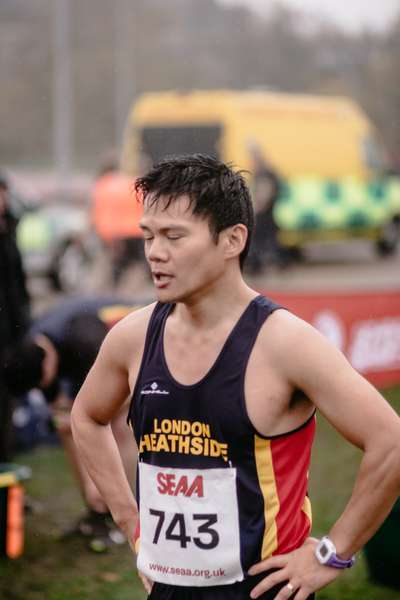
point(55, 357)
point(224, 385)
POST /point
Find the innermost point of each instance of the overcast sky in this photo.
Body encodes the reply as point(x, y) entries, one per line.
point(350, 14)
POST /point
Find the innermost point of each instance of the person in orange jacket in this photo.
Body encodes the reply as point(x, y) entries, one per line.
point(115, 216)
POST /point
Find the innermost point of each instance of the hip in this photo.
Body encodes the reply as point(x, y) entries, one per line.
point(235, 591)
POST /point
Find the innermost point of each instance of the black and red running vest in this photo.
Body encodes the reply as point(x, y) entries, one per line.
point(210, 484)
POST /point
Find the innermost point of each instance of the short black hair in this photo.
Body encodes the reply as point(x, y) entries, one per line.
point(22, 367)
point(215, 191)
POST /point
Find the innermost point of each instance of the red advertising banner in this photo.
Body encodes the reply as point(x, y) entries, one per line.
point(364, 326)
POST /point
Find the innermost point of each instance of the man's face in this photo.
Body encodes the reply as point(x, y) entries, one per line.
point(180, 250)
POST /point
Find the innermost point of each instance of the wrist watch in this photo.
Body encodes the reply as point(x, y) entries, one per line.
point(325, 553)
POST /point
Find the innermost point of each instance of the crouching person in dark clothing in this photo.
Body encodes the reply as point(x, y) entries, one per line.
point(55, 357)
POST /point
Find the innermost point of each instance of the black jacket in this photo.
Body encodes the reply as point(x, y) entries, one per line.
point(14, 297)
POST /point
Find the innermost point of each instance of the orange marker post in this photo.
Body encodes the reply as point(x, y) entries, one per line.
point(15, 521)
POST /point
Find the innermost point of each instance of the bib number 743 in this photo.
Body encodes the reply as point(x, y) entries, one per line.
point(176, 529)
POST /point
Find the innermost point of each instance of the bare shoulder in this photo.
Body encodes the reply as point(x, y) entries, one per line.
point(127, 337)
point(301, 355)
point(286, 338)
point(135, 322)
point(285, 327)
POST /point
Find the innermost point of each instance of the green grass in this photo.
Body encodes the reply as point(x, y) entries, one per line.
point(51, 570)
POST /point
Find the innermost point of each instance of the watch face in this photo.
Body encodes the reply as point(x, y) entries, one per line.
point(323, 551)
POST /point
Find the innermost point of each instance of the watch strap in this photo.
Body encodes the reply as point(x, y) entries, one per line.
point(326, 546)
point(340, 563)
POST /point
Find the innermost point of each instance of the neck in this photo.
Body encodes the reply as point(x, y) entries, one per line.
point(226, 297)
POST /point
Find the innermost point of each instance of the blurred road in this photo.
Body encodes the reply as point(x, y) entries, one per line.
point(348, 266)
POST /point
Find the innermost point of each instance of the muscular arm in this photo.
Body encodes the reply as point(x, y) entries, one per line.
point(362, 416)
point(101, 397)
point(357, 410)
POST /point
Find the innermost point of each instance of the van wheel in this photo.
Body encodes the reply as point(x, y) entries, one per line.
point(387, 243)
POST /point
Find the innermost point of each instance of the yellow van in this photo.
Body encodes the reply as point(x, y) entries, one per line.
point(325, 149)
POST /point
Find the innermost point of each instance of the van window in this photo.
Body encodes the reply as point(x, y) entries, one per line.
point(158, 142)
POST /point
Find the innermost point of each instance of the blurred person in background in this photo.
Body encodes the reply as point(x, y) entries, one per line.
point(14, 306)
point(55, 357)
point(224, 386)
point(266, 186)
point(116, 215)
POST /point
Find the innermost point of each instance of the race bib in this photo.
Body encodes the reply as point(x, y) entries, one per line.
point(189, 526)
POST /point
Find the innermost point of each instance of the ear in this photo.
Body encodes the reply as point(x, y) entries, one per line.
point(235, 239)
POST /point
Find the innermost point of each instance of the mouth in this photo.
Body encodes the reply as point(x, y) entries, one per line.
point(161, 280)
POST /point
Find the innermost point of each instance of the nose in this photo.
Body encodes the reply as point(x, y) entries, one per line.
point(156, 250)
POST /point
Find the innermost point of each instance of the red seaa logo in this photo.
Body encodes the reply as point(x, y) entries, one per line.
point(169, 484)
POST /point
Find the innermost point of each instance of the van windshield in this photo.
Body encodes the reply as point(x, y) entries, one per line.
point(159, 142)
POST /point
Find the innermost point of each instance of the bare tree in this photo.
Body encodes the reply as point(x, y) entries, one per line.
point(180, 44)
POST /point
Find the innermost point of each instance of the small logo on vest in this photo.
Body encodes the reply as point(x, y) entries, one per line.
point(154, 389)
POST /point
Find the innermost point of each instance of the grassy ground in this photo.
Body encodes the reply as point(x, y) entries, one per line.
point(51, 570)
